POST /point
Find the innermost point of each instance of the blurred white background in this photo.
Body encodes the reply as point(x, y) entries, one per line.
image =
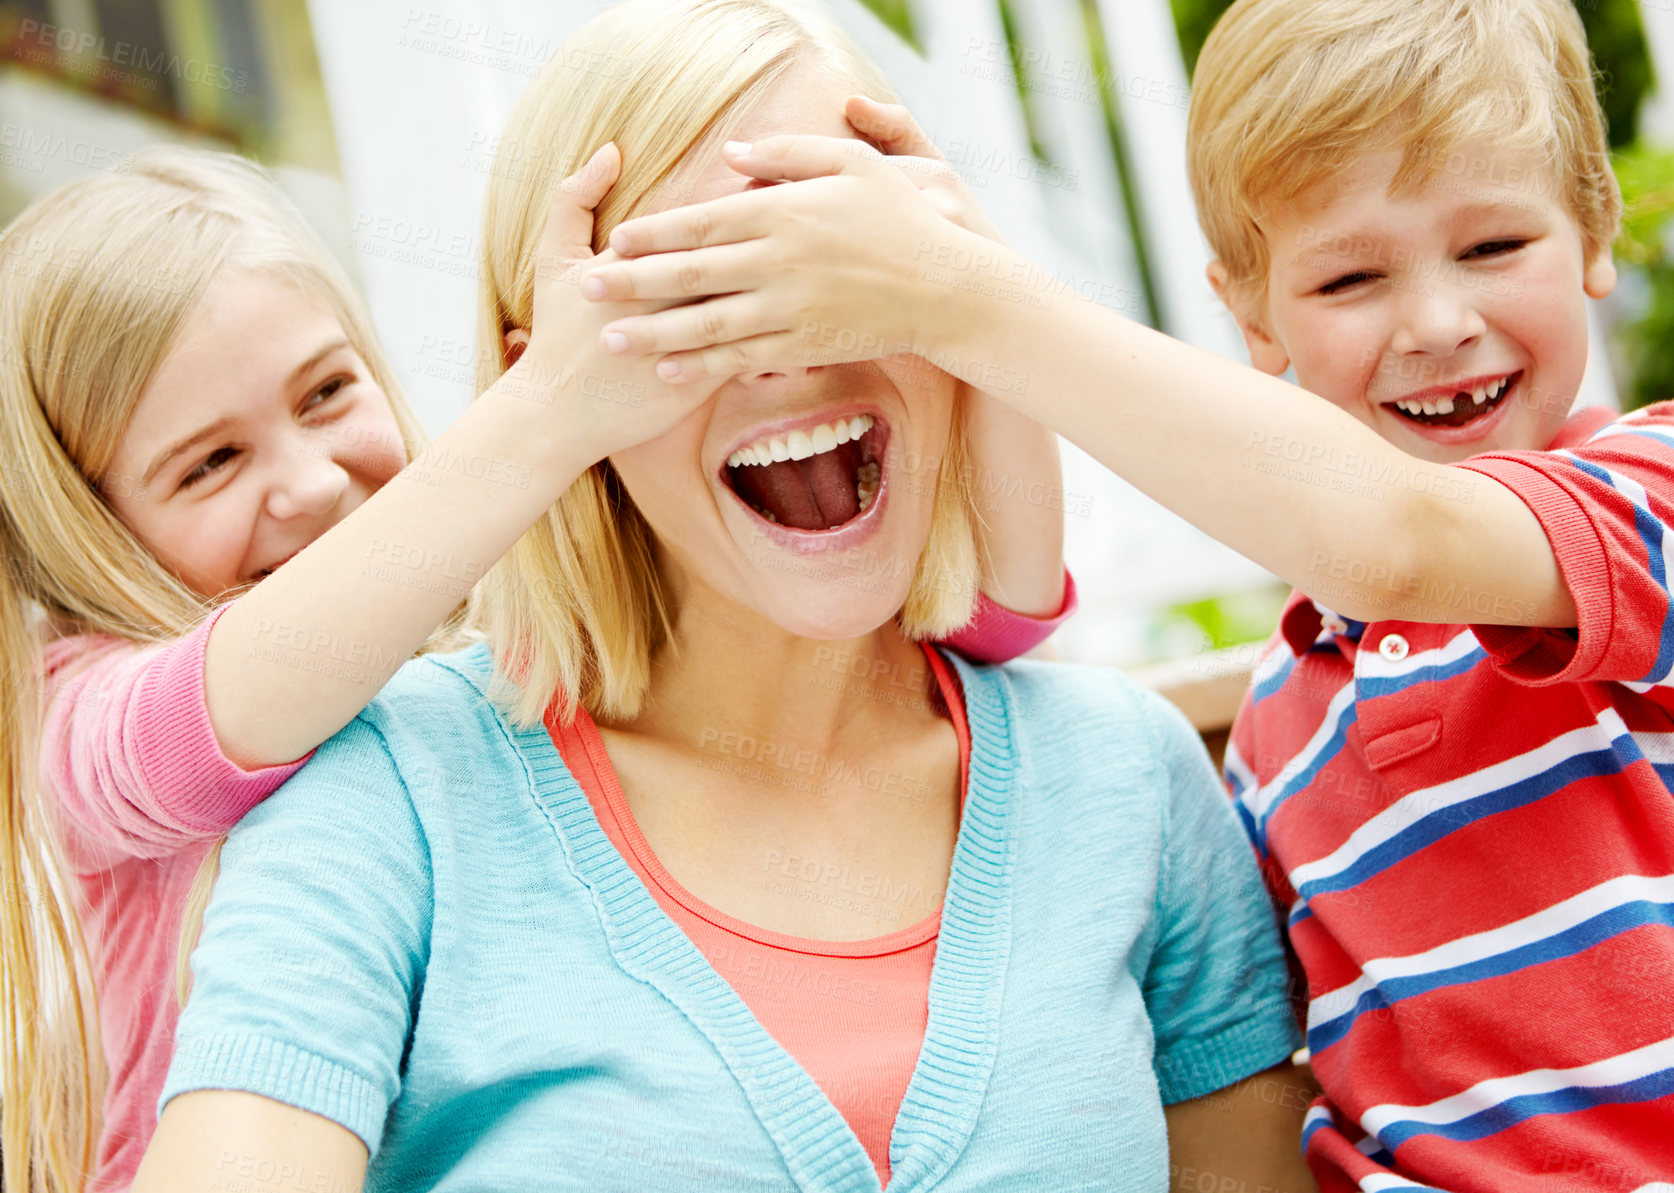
point(1066, 117)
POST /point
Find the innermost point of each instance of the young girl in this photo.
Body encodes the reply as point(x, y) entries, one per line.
point(193, 408)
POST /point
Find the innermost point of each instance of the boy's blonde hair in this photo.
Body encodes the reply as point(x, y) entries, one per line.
point(1289, 92)
point(577, 606)
point(97, 280)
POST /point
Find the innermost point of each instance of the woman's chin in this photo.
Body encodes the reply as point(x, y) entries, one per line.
point(831, 611)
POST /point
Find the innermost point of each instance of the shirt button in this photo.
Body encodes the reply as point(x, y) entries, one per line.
point(1393, 647)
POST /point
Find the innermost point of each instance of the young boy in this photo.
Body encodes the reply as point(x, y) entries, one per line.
point(1470, 824)
point(1454, 760)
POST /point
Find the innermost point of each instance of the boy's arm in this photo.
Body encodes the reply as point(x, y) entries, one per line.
point(295, 658)
point(1283, 477)
point(1016, 472)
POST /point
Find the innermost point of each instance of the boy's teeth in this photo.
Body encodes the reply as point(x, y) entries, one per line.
point(1446, 404)
point(799, 445)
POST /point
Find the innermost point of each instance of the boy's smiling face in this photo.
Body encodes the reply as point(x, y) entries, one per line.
point(1450, 316)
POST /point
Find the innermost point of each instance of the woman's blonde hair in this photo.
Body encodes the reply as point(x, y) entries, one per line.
point(577, 606)
point(97, 281)
point(1289, 92)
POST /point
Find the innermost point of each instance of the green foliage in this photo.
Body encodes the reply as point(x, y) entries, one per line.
point(1232, 618)
point(898, 16)
point(1648, 342)
point(1647, 178)
point(1617, 40)
point(1193, 19)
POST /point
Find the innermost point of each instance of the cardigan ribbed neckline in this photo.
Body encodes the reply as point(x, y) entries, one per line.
point(589, 739)
point(961, 1039)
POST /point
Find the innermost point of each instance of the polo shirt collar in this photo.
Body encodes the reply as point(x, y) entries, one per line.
point(1582, 426)
point(1305, 625)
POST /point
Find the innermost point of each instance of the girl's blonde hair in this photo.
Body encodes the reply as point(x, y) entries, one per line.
point(577, 606)
point(1289, 92)
point(97, 281)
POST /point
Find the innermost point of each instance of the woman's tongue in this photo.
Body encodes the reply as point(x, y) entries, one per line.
point(817, 493)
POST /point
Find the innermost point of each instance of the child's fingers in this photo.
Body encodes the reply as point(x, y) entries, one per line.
point(568, 233)
point(926, 173)
point(797, 157)
point(891, 126)
point(774, 350)
point(588, 186)
point(696, 273)
point(692, 326)
point(726, 220)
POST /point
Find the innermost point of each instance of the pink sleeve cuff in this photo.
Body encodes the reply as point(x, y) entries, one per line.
point(177, 751)
point(996, 635)
point(1539, 655)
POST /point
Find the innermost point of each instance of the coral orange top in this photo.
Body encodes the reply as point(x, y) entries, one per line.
point(852, 1013)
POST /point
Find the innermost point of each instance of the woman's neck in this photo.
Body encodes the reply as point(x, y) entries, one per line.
point(727, 669)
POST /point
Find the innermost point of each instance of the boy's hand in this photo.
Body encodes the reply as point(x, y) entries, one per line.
point(845, 266)
point(606, 402)
point(892, 128)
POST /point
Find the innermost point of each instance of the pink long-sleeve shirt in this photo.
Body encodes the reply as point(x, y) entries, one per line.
point(142, 790)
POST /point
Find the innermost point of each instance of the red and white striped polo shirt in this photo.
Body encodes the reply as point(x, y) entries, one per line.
point(1472, 830)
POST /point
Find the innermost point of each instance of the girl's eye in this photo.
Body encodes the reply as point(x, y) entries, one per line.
point(326, 392)
point(1493, 248)
point(1344, 282)
point(212, 463)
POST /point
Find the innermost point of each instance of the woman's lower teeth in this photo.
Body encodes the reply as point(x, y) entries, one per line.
point(866, 479)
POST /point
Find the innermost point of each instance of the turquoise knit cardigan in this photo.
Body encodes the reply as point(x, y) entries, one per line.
point(426, 937)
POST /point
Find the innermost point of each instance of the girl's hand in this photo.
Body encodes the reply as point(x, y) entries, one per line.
point(606, 402)
point(850, 264)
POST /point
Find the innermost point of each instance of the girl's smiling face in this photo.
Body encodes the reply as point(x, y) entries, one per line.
point(803, 493)
point(260, 431)
point(1449, 316)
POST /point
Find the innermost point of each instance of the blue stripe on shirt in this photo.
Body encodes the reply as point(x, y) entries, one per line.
point(1575, 939)
point(1445, 821)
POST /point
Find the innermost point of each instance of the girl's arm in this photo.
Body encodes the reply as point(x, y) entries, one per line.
point(149, 748)
point(258, 1144)
point(1280, 475)
point(295, 659)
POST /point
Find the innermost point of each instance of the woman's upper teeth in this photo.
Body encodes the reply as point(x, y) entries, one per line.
point(799, 445)
point(1445, 403)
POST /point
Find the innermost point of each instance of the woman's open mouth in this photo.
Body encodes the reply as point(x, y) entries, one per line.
point(816, 479)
